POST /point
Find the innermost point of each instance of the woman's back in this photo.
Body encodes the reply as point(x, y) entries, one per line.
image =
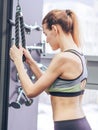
point(66, 108)
point(68, 105)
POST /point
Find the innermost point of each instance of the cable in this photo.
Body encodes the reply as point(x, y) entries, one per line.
point(19, 26)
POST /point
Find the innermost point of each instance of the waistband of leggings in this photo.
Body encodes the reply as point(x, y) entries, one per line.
point(82, 118)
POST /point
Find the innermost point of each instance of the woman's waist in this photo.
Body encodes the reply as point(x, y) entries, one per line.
point(65, 109)
point(66, 101)
point(68, 114)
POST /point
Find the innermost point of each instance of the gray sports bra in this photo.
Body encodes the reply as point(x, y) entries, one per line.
point(69, 88)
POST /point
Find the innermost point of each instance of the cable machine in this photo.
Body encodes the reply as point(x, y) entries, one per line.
point(6, 24)
point(21, 28)
point(20, 38)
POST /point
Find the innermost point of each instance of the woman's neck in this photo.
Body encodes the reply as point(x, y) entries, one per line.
point(66, 42)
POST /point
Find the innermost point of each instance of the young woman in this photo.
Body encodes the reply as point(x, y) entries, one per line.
point(66, 76)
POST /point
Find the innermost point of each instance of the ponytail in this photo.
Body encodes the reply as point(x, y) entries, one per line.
point(75, 30)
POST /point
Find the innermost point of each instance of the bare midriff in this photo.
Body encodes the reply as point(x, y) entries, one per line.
point(66, 108)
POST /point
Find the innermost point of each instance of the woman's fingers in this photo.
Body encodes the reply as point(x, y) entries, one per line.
point(15, 52)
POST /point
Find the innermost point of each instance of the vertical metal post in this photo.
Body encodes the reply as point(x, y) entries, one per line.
point(5, 41)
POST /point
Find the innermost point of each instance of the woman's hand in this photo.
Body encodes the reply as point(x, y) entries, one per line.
point(16, 54)
point(28, 57)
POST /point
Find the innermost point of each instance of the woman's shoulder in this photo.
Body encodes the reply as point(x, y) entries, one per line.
point(59, 58)
point(66, 58)
point(63, 56)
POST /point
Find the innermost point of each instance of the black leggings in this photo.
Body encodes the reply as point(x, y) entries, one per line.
point(75, 124)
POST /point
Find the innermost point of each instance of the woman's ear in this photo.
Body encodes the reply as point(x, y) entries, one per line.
point(55, 29)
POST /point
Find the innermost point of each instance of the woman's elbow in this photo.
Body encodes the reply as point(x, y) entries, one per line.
point(30, 94)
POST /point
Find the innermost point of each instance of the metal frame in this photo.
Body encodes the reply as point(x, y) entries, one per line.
point(5, 41)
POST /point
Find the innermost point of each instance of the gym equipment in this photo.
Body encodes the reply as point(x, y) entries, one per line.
point(17, 104)
point(28, 101)
point(28, 28)
point(20, 29)
point(19, 26)
point(19, 20)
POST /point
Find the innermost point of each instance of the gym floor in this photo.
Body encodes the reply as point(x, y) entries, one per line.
point(90, 106)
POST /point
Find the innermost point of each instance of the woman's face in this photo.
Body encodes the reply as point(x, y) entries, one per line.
point(50, 37)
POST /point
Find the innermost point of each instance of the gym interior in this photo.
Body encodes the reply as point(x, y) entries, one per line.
point(17, 111)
